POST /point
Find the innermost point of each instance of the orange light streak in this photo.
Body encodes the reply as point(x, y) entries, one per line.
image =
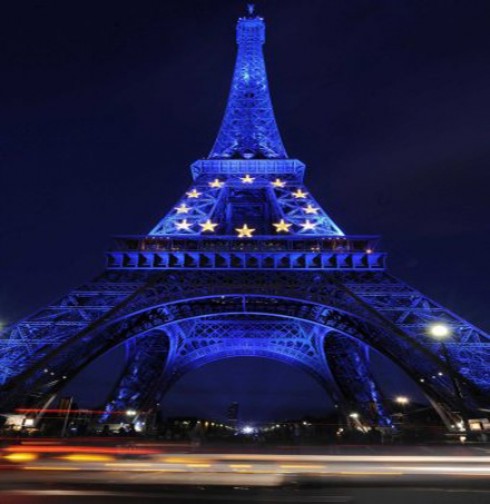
point(79, 449)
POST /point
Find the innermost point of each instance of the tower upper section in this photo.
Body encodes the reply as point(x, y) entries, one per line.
point(248, 187)
point(248, 206)
point(249, 129)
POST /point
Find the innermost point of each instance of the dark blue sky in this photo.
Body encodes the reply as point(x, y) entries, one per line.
point(105, 104)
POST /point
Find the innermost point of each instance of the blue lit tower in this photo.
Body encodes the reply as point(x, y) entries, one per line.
point(248, 263)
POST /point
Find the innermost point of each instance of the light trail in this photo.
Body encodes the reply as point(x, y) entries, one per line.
point(21, 457)
point(87, 457)
point(50, 468)
point(77, 449)
point(110, 460)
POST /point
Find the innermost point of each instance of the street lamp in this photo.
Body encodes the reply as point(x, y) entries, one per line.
point(441, 331)
point(403, 400)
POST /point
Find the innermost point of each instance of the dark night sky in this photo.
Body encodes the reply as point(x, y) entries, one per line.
point(105, 104)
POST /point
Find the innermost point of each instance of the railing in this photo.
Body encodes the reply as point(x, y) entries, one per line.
point(339, 244)
point(280, 167)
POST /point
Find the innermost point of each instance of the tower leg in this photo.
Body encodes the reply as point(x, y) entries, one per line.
point(135, 391)
point(349, 362)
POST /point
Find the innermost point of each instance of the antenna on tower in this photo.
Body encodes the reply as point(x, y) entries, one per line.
point(251, 9)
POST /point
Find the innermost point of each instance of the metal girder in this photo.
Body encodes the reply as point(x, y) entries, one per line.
point(413, 313)
point(322, 298)
point(145, 361)
point(249, 127)
point(215, 338)
point(202, 341)
point(225, 201)
point(25, 343)
point(349, 362)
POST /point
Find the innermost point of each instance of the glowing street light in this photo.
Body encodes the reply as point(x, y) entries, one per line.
point(354, 415)
point(440, 330)
point(131, 412)
point(403, 400)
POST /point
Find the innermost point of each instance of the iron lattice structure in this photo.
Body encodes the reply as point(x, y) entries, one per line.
point(247, 264)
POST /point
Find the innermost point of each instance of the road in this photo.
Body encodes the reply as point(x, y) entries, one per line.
point(56, 472)
point(281, 495)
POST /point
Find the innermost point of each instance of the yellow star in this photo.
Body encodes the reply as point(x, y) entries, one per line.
point(183, 225)
point(208, 226)
point(299, 194)
point(182, 208)
point(282, 226)
point(216, 183)
point(308, 225)
point(278, 183)
point(247, 179)
point(193, 194)
point(310, 209)
point(244, 232)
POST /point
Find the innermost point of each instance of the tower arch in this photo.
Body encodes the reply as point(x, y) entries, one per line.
point(168, 317)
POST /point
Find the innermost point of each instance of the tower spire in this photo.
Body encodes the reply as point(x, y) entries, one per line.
point(249, 128)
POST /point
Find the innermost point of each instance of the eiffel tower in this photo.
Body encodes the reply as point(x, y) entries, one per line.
point(248, 263)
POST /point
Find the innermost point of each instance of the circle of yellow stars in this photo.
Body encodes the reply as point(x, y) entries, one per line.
point(246, 232)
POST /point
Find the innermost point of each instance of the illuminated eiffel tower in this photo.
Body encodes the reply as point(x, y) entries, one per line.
point(248, 263)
